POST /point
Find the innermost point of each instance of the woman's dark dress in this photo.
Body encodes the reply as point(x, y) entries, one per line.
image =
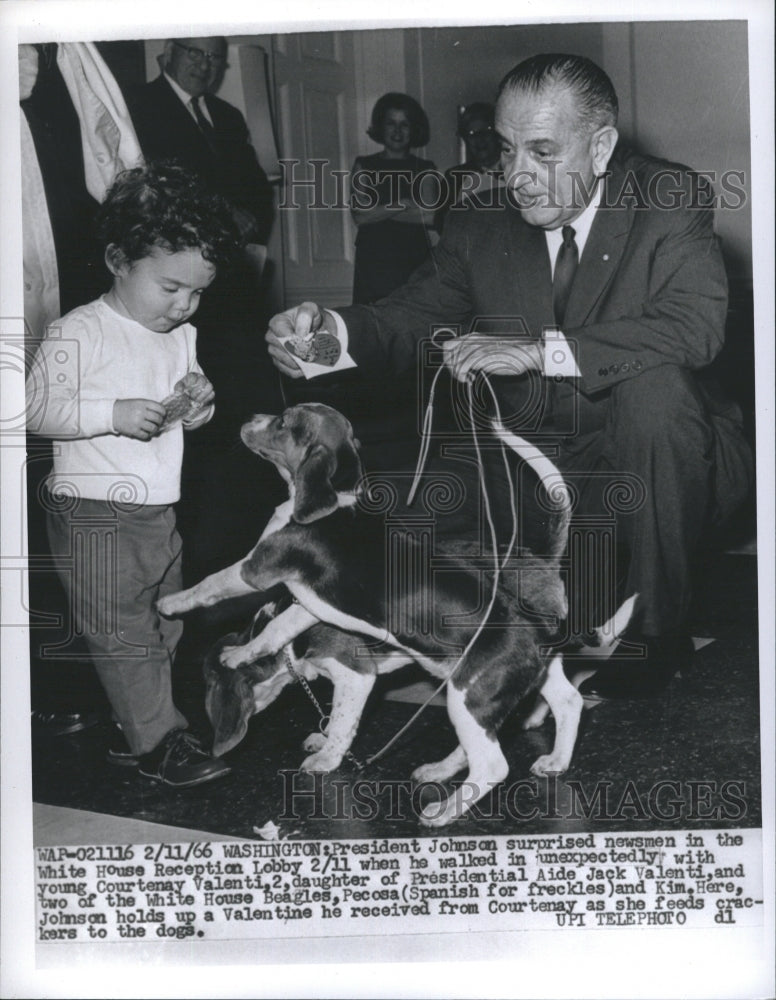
point(387, 252)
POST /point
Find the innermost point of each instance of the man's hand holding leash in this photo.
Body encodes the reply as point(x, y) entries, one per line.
point(465, 356)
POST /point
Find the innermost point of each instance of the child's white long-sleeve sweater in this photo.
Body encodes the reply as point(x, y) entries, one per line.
point(89, 359)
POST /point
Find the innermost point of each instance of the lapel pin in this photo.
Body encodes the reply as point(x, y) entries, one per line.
point(606, 256)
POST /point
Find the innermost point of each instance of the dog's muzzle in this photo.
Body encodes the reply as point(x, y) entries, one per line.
point(253, 435)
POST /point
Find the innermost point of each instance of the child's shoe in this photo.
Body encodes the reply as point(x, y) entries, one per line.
point(180, 761)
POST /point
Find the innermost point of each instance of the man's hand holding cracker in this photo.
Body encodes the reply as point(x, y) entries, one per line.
point(308, 341)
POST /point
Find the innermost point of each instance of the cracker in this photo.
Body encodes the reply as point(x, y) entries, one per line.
point(179, 407)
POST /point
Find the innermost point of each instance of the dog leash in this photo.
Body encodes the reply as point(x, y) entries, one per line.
point(302, 681)
point(497, 567)
point(309, 691)
point(324, 718)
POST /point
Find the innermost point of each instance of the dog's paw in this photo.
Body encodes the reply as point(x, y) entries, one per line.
point(314, 742)
point(170, 605)
point(430, 772)
point(322, 762)
point(235, 656)
point(548, 764)
point(440, 770)
point(439, 813)
point(538, 715)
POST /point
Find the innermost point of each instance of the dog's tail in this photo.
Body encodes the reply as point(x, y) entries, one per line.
point(555, 497)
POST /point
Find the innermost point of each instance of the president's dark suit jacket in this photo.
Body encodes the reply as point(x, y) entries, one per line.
point(167, 130)
point(650, 290)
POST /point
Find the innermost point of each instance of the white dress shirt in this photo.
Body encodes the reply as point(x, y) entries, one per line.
point(581, 225)
point(185, 98)
point(558, 358)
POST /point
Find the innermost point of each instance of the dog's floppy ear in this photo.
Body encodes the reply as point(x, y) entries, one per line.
point(229, 704)
point(228, 694)
point(315, 495)
point(349, 469)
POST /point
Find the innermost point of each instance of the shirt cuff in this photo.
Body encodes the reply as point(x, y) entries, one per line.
point(96, 417)
point(559, 360)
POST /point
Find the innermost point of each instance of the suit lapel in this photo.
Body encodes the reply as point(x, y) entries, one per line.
point(178, 112)
point(603, 250)
point(529, 260)
point(530, 272)
point(212, 110)
point(172, 104)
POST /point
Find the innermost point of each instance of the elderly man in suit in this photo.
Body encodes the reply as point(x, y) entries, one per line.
point(604, 269)
point(178, 116)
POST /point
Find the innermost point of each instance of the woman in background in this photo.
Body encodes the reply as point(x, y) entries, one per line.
point(393, 228)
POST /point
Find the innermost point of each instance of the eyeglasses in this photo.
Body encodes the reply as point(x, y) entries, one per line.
point(200, 56)
point(476, 132)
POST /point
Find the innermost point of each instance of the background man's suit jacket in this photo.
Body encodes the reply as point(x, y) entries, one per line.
point(167, 130)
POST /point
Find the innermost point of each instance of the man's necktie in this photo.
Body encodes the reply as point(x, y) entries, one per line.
point(204, 125)
point(565, 268)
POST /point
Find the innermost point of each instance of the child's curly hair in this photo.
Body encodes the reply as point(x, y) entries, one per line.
point(164, 205)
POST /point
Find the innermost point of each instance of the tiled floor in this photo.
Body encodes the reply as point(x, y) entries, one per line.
point(703, 730)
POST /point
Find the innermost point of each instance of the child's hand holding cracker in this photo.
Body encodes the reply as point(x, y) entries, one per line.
point(197, 387)
point(190, 398)
point(138, 418)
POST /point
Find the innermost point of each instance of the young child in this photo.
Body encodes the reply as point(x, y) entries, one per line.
point(115, 383)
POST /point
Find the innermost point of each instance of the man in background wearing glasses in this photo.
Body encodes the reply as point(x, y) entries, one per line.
point(475, 178)
point(178, 116)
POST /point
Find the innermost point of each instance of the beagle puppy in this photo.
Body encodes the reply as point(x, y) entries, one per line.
point(330, 552)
